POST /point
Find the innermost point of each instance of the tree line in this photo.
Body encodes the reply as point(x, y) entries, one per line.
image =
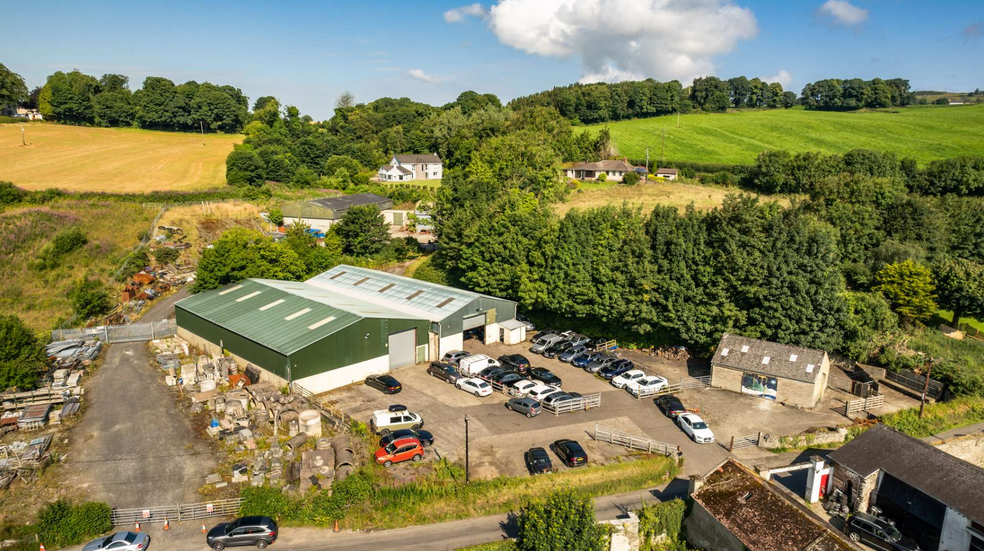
point(344, 151)
point(77, 98)
point(848, 94)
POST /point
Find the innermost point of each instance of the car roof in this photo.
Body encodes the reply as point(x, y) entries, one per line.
point(537, 452)
point(526, 400)
point(691, 416)
point(406, 440)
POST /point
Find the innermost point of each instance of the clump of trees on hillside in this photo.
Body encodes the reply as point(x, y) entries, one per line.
point(834, 94)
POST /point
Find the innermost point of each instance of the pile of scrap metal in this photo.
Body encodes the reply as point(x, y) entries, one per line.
point(172, 238)
point(23, 459)
point(73, 353)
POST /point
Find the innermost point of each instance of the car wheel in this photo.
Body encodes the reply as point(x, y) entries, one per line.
point(509, 407)
point(384, 432)
point(693, 437)
point(387, 464)
point(415, 428)
point(417, 458)
point(218, 546)
point(529, 414)
point(855, 537)
point(477, 394)
point(262, 544)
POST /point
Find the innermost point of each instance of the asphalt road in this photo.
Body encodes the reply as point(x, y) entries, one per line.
point(133, 448)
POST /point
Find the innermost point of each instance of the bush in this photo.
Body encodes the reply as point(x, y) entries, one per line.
point(276, 217)
point(132, 264)
point(61, 524)
point(939, 417)
point(264, 501)
point(66, 241)
point(21, 355)
point(603, 177)
point(89, 298)
point(662, 518)
point(631, 178)
point(165, 255)
point(11, 194)
point(427, 271)
point(561, 521)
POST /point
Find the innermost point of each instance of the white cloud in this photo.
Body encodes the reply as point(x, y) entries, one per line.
point(458, 15)
point(423, 77)
point(844, 12)
point(782, 77)
point(626, 39)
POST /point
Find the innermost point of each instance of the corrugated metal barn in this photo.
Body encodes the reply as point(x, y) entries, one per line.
point(338, 327)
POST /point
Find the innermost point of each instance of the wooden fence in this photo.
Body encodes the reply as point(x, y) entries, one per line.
point(338, 420)
point(739, 442)
point(612, 436)
point(915, 383)
point(686, 383)
point(582, 403)
point(863, 404)
point(176, 513)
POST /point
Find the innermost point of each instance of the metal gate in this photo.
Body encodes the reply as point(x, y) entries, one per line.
point(134, 332)
point(403, 348)
point(472, 322)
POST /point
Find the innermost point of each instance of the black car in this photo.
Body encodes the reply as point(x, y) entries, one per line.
point(490, 372)
point(877, 533)
point(544, 375)
point(544, 333)
point(517, 362)
point(425, 437)
point(387, 383)
point(506, 378)
point(670, 405)
point(258, 531)
point(598, 344)
point(444, 372)
point(555, 350)
point(570, 452)
point(537, 461)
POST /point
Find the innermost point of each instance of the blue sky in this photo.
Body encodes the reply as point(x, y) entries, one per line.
point(306, 53)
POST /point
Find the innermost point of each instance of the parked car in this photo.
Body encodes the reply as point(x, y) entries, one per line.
point(520, 388)
point(475, 386)
point(444, 372)
point(556, 349)
point(646, 385)
point(526, 322)
point(630, 375)
point(544, 332)
point(120, 541)
point(571, 352)
point(527, 406)
point(455, 356)
point(398, 451)
point(386, 383)
point(545, 342)
point(537, 461)
point(258, 531)
point(570, 452)
point(541, 391)
point(425, 437)
point(599, 363)
point(616, 368)
point(385, 421)
point(517, 362)
point(474, 364)
point(545, 376)
point(598, 344)
point(490, 372)
point(670, 405)
point(507, 378)
point(555, 397)
point(695, 427)
point(578, 339)
point(877, 533)
point(582, 360)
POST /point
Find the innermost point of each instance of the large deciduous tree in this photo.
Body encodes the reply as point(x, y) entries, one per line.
point(363, 230)
point(908, 286)
point(13, 90)
point(242, 253)
point(21, 354)
point(960, 285)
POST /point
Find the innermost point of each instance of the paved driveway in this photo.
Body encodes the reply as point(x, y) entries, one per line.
point(133, 447)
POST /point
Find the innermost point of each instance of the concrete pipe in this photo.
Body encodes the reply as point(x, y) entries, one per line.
point(343, 472)
point(310, 422)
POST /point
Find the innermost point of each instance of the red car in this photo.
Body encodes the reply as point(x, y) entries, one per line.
point(397, 451)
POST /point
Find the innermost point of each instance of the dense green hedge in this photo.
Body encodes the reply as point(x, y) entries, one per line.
point(317, 507)
point(662, 518)
point(61, 523)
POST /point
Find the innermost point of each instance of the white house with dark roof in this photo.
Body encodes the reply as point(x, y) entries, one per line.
point(404, 168)
point(613, 170)
point(793, 375)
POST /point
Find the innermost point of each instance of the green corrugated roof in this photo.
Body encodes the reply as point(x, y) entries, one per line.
point(284, 316)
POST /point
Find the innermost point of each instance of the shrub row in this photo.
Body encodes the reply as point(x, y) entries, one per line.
point(61, 523)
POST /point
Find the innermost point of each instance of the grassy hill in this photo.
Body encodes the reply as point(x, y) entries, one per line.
point(924, 133)
point(112, 159)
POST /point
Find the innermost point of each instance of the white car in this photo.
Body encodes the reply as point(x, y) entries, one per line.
point(630, 375)
point(648, 385)
point(541, 391)
point(521, 388)
point(695, 428)
point(478, 387)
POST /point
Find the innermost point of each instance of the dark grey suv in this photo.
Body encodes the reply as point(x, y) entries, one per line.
point(245, 531)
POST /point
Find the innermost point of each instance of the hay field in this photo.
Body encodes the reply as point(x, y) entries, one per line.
point(924, 133)
point(649, 195)
point(121, 160)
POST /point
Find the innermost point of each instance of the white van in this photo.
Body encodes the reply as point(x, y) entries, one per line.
point(474, 364)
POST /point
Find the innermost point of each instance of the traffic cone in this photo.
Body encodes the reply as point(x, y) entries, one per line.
point(42, 547)
point(167, 524)
point(204, 530)
point(336, 529)
point(137, 529)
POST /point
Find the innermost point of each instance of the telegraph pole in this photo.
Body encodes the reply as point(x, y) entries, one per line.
point(466, 449)
point(662, 146)
point(647, 160)
point(922, 400)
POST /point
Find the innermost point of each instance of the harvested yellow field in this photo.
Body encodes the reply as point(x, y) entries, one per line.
point(649, 195)
point(118, 160)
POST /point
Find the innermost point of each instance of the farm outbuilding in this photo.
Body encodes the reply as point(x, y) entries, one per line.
point(320, 214)
point(338, 327)
point(790, 374)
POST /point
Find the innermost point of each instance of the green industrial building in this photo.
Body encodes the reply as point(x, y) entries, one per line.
point(340, 326)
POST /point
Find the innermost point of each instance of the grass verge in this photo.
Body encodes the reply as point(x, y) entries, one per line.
point(649, 195)
point(939, 417)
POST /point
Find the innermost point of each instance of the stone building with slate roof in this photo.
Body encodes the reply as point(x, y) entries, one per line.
point(932, 496)
point(736, 510)
point(789, 374)
point(338, 327)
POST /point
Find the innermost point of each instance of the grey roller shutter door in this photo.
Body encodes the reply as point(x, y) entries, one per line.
point(402, 348)
point(473, 322)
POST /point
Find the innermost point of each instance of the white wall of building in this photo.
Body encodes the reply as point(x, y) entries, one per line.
point(955, 536)
point(342, 376)
point(314, 223)
point(451, 342)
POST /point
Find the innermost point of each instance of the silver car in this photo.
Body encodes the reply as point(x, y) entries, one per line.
point(120, 541)
point(598, 364)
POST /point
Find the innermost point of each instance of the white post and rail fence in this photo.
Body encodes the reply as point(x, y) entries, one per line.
point(619, 438)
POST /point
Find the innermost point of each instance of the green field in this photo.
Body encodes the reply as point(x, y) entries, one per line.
point(924, 133)
point(116, 160)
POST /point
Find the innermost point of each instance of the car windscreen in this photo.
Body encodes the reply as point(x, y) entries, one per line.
point(482, 384)
point(699, 425)
point(891, 534)
point(390, 448)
